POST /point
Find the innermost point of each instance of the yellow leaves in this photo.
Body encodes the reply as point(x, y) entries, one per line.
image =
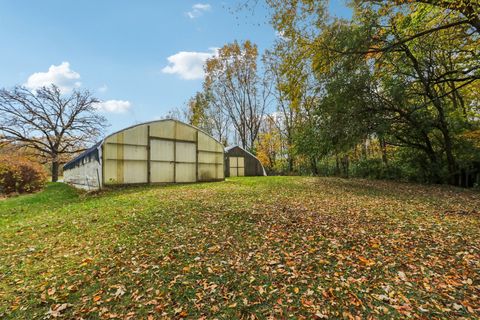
point(374, 244)
point(215, 248)
point(261, 290)
point(15, 304)
point(365, 261)
point(182, 314)
point(427, 286)
point(86, 262)
point(296, 290)
point(269, 144)
point(230, 59)
point(374, 53)
point(354, 300)
point(452, 282)
point(72, 288)
point(328, 294)
point(290, 263)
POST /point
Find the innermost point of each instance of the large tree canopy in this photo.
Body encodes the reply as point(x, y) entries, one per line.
point(394, 89)
point(233, 85)
point(49, 122)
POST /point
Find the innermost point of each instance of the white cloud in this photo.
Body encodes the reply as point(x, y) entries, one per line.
point(198, 9)
point(188, 64)
point(66, 80)
point(62, 76)
point(114, 106)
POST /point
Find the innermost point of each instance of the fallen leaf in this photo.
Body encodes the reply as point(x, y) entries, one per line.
point(402, 275)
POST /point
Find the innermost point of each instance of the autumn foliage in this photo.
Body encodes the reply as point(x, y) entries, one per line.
point(19, 174)
point(249, 248)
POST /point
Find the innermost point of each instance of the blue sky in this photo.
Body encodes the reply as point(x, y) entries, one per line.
point(143, 58)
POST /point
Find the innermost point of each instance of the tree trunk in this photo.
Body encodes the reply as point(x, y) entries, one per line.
point(451, 163)
point(55, 167)
point(337, 165)
point(290, 163)
point(271, 160)
point(364, 149)
point(289, 153)
point(431, 93)
point(313, 164)
point(345, 165)
point(450, 158)
point(434, 170)
point(383, 147)
point(472, 16)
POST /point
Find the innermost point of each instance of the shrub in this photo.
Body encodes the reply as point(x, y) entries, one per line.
point(376, 169)
point(20, 175)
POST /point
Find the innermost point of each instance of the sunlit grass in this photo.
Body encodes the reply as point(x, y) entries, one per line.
point(247, 247)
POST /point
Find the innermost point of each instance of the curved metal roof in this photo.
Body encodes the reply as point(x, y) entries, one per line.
point(161, 120)
point(82, 156)
point(98, 144)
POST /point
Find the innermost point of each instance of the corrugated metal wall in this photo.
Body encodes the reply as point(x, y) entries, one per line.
point(85, 171)
point(239, 162)
point(86, 175)
point(160, 152)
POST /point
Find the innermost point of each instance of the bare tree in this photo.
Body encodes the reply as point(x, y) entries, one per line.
point(50, 122)
point(176, 113)
point(285, 119)
point(235, 87)
point(204, 113)
point(219, 123)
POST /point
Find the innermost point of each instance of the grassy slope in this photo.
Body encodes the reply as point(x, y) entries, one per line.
point(276, 246)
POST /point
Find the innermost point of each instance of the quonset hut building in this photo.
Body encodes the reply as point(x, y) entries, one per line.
point(239, 162)
point(163, 151)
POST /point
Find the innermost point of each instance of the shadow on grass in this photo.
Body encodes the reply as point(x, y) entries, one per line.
point(403, 191)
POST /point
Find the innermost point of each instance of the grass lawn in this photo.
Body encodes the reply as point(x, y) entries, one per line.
point(266, 247)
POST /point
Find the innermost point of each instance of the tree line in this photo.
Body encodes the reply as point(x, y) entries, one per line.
point(392, 92)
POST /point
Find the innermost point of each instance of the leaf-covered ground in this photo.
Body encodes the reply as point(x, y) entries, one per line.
point(276, 247)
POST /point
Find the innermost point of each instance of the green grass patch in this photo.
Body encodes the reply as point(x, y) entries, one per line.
point(263, 247)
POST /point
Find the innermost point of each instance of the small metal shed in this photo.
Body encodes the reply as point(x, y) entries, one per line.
point(163, 151)
point(239, 162)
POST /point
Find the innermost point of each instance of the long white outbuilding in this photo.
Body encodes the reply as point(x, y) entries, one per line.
point(163, 151)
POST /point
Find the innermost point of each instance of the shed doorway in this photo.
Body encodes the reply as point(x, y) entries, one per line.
point(172, 161)
point(237, 166)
